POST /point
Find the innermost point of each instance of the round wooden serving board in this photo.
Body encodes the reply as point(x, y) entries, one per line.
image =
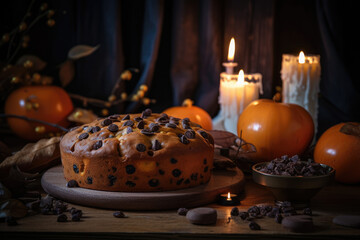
point(221, 181)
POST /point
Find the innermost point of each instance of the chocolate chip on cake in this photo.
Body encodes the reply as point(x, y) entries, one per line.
point(97, 145)
point(128, 123)
point(170, 125)
point(127, 117)
point(176, 172)
point(83, 136)
point(153, 182)
point(72, 183)
point(147, 112)
point(95, 129)
point(184, 139)
point(129, 130)
point(138, 119)
point(141, 147)
point(140, 124)
point(113, 127)
point(203, 134)
point(173, 160)
point(254, 226)
point(154, 127)
point(130, 169)
point(62, 218)
point(156, 145)
point(106, 122)
point(75, 168)
point(190, 134)
point(147, 132)
point(89, 180)
point(112, 180)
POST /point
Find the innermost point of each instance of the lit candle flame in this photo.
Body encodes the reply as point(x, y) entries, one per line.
point(231, 52)
point(241, 77)
point(301, 57)
point(228, 197)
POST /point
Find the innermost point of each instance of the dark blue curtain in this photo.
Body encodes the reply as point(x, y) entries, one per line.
point(179, 46)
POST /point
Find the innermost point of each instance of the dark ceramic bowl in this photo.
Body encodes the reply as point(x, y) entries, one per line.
point(297, 189)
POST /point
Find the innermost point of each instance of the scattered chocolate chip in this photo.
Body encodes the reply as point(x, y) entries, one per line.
point(278, 218)
point(140, 124)
point(75, 217)
point(128, 123)
point(97, 144)
point(244, 215)
point(113, 127)
point(254, 226)
point(184, 139)
point(182, 211)
point(307, 211)
point(141, 147)
point(62, 218)
point(75, 211)
point(83, 136)
point(161, 172)
point(11, 221)
point(106, 122)
point(130, 169)
point(234, 211)
point(147, 132)
point(173, 160)
point(150, 153)
point(72, 184)
point(126, 117)
point(119, 214)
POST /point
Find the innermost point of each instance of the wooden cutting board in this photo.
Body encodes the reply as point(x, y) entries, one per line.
point(222, 181)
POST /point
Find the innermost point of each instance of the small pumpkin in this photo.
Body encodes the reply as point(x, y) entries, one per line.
point(47, 103)
point(194, 113)
point(276, 129)
point(339, 147)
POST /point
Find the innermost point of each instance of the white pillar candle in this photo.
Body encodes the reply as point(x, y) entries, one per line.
point(235, 95)
point(301, 79)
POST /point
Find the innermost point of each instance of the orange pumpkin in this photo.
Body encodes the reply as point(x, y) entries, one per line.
point(194, 113)
point(47, 103)
point(339, 147)
point(276, 129)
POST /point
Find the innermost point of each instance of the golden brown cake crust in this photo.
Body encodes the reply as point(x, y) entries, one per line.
point(138, 152)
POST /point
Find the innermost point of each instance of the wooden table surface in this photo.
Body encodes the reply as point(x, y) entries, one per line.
point(335, 199)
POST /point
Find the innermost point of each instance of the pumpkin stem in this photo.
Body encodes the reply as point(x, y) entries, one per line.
point(187, 102)
point(277, 96)
point(351, 129)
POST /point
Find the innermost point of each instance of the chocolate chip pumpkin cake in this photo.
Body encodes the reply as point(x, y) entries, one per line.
point(138, 152)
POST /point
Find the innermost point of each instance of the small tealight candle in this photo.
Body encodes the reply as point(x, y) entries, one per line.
point(229, 199)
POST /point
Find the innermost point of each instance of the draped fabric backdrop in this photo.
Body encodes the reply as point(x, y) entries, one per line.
point(179, 46)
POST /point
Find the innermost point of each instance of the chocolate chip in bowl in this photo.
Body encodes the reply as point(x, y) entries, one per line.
point(291, 179)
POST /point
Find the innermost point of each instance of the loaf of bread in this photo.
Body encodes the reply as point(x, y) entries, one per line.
point(138, 152)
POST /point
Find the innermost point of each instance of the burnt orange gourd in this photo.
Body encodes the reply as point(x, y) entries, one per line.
point(194, 113)
point(339, 147)
point(47, 103)
point(276, 129)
